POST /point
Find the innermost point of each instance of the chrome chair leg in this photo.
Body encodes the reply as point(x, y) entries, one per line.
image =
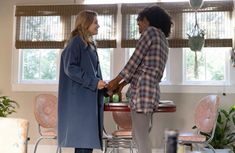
point(112, 150)
point(197, 147)
point(210, 147)
point(58, 149)
point(131, 151)
point(105, 146)
point(131, 148)
point(36, 145)
point(39, 139)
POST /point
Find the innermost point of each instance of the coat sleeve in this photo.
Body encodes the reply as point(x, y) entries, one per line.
point(71, 57)
point(138, 55)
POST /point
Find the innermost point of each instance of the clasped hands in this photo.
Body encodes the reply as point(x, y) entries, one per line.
point(112, 87)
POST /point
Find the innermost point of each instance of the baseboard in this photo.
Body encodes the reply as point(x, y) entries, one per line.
point(52, 149)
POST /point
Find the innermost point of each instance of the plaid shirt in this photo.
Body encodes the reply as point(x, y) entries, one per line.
point(144, 70)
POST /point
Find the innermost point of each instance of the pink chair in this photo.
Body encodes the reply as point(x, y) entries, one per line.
point(205, 120)
point(122, 136)
point(123, 124)
point(45, 111)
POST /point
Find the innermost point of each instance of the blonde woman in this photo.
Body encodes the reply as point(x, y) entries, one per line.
point(80, 107)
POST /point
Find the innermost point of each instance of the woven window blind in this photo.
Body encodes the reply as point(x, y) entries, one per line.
point(214, 17)
point(48, 26)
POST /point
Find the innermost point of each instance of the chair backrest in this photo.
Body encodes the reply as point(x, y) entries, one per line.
point(206, 113)
point(13, 135)
point(45, 110)
point(122, 119)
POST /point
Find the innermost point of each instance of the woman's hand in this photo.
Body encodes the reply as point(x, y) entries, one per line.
point(120, 87)
point(114, 84)
point(101, 84)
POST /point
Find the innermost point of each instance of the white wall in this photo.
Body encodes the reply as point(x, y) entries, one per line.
point(182, 119)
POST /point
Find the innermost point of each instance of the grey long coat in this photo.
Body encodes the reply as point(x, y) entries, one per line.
point(80, 104)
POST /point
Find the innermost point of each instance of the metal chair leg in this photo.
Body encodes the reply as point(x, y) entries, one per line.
point(105, 146)
point(131, 148)
point(39, 139)
point(210, 147)
point(58, 149)
point(36, 145)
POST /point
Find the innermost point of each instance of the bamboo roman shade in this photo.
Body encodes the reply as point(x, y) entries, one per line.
point(215, 17)
point(48, 26)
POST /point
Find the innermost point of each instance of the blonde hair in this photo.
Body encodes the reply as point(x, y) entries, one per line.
point(83, 21)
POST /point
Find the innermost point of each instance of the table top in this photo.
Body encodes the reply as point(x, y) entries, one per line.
point(164, 106)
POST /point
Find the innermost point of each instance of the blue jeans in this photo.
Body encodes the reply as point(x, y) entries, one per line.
point(83, 150)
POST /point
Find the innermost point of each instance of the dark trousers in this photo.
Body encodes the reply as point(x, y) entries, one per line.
point(83, 150)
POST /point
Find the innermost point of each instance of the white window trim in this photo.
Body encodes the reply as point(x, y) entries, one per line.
point(177, 85)
point(182, 88)
point(35, 87)
point(27, 86)
point(226, 80)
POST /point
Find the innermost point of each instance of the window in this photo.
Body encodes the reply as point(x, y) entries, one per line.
point(211, 65)
point(215, 18)
point(213, 23)
point(41, 33)
point(40, 28)
point(105, 62)
point(35, 33)
point(106, 33)
point(130, 31)
point(39, 65)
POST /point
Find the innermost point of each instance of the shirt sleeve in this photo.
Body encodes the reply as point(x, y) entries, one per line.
point(141, 50)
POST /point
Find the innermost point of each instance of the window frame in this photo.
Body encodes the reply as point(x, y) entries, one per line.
point(53, 10)
point(205, 82)
point(118, 59)
point(29, 86)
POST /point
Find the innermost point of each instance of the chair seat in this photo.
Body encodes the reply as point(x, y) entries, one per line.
point(191, 137)
point(122, 136)
point(51, 133)
point(122, 133)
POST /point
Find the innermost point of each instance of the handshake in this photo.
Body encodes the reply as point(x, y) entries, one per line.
point(114, 87)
